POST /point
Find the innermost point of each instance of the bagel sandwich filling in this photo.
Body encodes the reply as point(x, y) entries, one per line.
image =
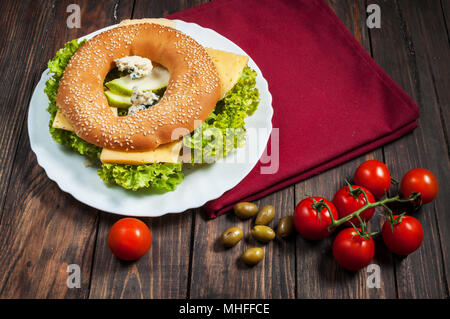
point(137, 66)
point(141, 100)
point(127, 139)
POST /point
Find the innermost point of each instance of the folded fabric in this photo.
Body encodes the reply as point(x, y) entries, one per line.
point(331, 101)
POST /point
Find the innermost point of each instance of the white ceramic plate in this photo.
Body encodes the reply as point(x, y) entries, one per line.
point(201, 184)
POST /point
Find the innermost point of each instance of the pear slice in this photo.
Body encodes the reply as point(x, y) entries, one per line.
point(157, 79)
point(117, 100)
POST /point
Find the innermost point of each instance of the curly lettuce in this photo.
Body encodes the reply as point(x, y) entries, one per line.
point(162, 177)
point(224, 129)
point(56, 67)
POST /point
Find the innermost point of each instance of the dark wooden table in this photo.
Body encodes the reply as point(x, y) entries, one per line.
point(43, 230)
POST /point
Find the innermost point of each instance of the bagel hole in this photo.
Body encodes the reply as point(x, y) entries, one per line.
point(115, 73)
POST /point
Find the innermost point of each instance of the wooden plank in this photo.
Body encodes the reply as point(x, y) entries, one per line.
point(318, 275)
point(164, 271)
point(218, 272)
point(404, 47)
point(445, 4)
point(43, 229)
point(22, 23)
point(353, 14)
point(428, 31)
point(440, 48)
point(28, 27)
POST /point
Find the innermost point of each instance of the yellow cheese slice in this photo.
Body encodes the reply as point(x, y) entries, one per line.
point(167, 153)
point(62, 123)
point(229, 66)
point(161, 21)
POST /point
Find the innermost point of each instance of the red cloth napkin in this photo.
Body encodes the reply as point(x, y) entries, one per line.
point(331, 101)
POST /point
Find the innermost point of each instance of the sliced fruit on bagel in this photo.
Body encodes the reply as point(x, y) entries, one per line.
point(158, 79)
point(117, 100)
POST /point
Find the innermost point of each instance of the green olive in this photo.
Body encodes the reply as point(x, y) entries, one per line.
point(262, 233)
point(252, 256)
point(285, 226)
point(245, 210)
point(265, 215)
point(231, 236)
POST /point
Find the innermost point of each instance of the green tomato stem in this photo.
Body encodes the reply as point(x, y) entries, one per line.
point(383, 202)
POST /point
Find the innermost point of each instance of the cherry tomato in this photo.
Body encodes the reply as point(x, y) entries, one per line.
point(346, 203)
point(307, 221)
point(403, 238)
point(129, 239)
point(352, 251)
point(420, 180)
point(373, 175)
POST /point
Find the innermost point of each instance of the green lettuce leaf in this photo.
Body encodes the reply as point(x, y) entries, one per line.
point(224, 129)
point(56, 67)
point(162, 177)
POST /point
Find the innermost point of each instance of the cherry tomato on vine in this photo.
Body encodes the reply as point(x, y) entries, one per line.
point(373, 175)
point(348, 201)
point(129, 239)
point(404, 237)
point(307, 220)
point(420, 180)
point(351, 250)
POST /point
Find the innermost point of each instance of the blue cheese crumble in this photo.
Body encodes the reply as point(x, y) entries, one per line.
point(137, 66)
point(141, 100)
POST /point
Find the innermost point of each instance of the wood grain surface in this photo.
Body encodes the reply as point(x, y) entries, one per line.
point(43, 230)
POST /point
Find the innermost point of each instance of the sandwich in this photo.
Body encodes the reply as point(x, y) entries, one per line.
point(134, 85)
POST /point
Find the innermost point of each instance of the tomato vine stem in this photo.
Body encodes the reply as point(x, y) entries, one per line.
point(383, 202)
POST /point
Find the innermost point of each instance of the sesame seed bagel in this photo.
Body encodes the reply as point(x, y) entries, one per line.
point(191, 95)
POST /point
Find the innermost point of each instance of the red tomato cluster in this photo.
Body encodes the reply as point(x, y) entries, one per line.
point(353, 248)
